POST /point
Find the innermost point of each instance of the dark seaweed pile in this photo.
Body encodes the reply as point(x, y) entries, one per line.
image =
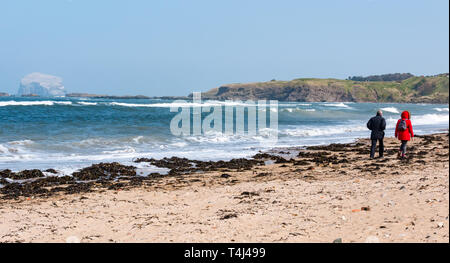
point(106, 176)
point(99, 176)
point(181, 166)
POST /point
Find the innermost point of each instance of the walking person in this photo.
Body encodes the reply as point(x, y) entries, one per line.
point(377, 125)
point(404, 132)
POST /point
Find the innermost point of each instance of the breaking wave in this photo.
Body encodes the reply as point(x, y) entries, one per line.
point(322, 131)
point(390, 109)
point(430, 119)
point(33, 103)
point(441, 109)
point(87, 103)
point(338, 105)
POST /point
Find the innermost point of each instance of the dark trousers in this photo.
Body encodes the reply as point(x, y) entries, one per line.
point(403, 147)
point(374, 146)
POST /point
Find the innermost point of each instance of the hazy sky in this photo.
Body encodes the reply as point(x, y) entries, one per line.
point(176, 47)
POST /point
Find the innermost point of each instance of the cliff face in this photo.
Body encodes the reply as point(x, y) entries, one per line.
point(416, 89)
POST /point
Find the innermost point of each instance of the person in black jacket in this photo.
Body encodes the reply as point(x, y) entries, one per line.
point(377, 125)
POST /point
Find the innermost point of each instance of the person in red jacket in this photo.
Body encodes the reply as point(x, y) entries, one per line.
point(404, 132)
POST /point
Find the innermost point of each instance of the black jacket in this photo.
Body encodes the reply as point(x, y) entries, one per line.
point(377, 125)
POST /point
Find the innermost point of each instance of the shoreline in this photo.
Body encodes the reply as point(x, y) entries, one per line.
point(105, 173)
point(273, 150)
point(316, 195)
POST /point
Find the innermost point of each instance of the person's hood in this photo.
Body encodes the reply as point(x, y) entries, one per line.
point(406, 115)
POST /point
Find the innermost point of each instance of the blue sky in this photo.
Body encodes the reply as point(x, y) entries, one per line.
point(176, 47)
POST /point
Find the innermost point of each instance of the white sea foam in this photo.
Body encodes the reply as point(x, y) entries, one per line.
point(430, 119)
point(15, 147)
point(179, 144)
point(206, 103)
point(127, 149)
point(3, 149)
point(390, 109)
point(427, 119)
point(322, 131)
point(96, 142)
point(341, 105)
point(87, 103)
point(62, 102)
point(21, 142)
point(33, 103)
point(296, 110)
point(219, 138)
point(441, 109)
point(137, 139)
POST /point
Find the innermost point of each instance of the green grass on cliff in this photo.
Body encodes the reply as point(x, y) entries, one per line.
point(430, 89)
point(433, 88)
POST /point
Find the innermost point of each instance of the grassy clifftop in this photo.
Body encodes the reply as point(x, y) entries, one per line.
point(431, 89)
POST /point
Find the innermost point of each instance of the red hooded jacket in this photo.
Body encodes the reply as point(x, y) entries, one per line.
point(408, 133)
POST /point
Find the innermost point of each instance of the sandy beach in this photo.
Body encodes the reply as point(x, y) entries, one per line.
point(318, 194)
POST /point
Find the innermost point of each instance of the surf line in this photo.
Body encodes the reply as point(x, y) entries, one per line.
point(227, 118)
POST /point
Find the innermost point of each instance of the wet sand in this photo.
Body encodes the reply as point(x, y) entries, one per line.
point(322, 194)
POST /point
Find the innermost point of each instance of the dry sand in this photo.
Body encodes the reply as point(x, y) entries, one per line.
point(406, 201)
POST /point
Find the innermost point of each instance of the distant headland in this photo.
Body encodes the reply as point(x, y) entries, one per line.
point(397, 87)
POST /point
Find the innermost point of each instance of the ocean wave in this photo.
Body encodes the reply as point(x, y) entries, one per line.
point(21, 142)
point(87, 103)
point(213, 137)
point(3, 149)
point(430, 119)
point(289, 109)
point(390, 109)
point(179, 144)
point(296, 110)
point(86, 143)
point(33, 103)
point(206, 103)
point(339, 105)
point(193, 104)
point(441, 109)
point(219, 138)
point(321, 131)
point(137, 139)
point(15, 147)
point(168, 105)
point(127, 149)
point(427, 119)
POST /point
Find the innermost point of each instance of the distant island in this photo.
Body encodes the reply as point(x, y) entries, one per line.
point(41, 85)
point(398, 87)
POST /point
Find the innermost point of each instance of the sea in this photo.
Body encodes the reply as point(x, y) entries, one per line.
point(67, 134)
